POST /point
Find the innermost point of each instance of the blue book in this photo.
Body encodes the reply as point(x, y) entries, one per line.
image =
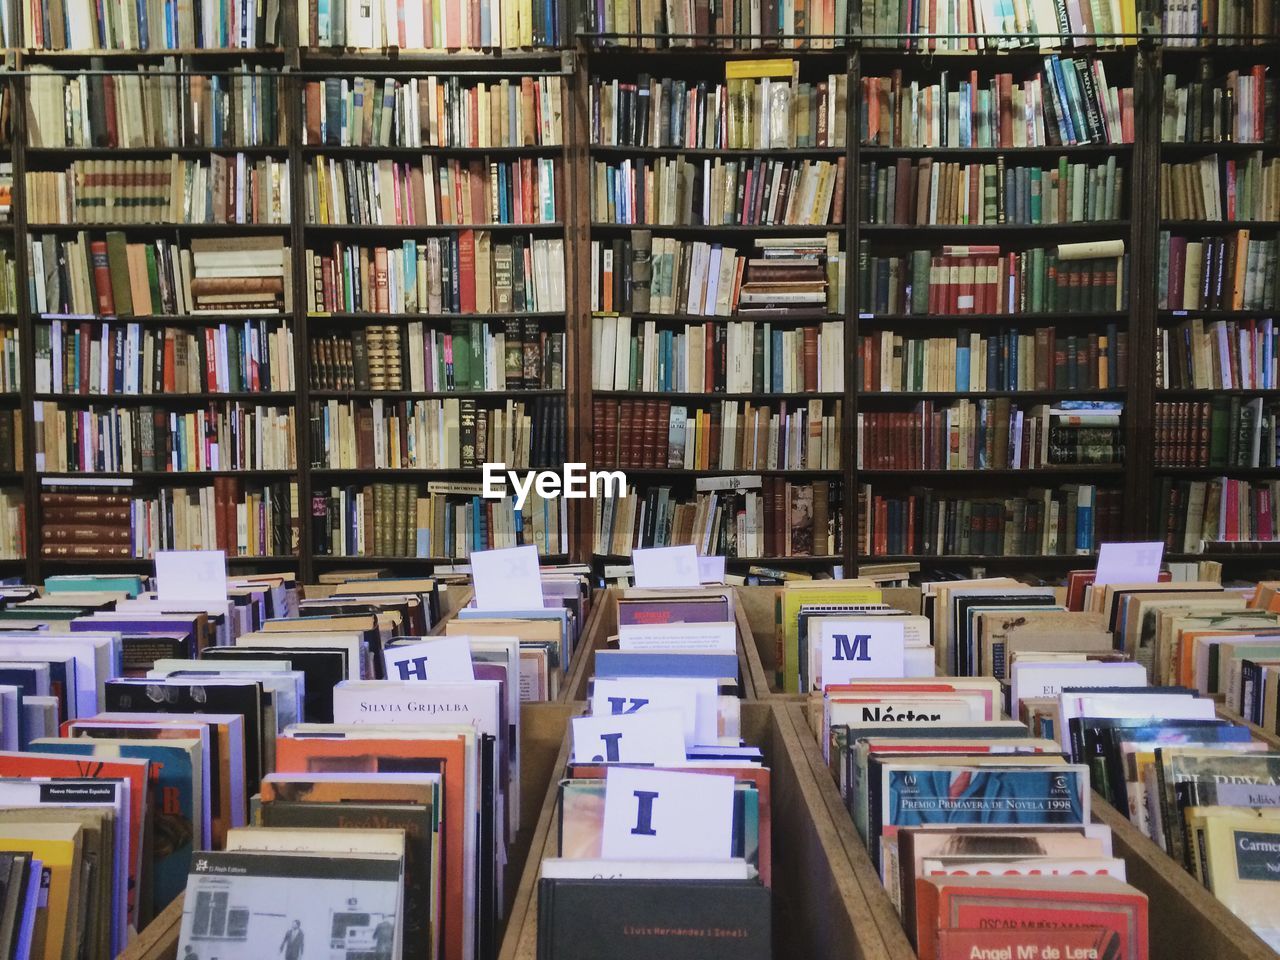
point(89, 583)
point(621, 663)
point(1011, 368)
point(962, 368)
point(1084, 519)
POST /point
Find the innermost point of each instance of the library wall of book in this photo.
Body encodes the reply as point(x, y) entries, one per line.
point(970, 283)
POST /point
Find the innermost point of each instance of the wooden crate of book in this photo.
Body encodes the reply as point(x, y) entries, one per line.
point(603, 624)
point(820, 911)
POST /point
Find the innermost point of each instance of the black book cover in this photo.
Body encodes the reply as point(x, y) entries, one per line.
point(187, 696)
point(654, 920)
point(321, 670)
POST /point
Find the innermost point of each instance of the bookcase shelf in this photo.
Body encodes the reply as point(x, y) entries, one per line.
point(1141, 66)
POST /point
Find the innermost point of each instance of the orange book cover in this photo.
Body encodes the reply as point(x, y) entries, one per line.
point(443, 755)
point(136, 772)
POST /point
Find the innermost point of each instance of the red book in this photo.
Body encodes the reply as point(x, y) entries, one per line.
point(101, 278)
point(958, 944)
point(466, 271)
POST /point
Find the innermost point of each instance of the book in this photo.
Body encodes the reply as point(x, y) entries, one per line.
point(432, 25)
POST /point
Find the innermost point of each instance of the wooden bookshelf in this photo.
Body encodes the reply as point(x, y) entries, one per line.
point(1141, 65)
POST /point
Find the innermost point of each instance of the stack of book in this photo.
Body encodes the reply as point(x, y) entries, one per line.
point(13, 524)
point(988, 25)
point(241, 274)
point(431, 25)
point(1218, 355)
point(698, 765)
point(923, 193)
point(113, 277)
point(1195, 515)
point(734, 516)
point(1234, 188)
point(448, 520)
point(10, 360)
point(8, 281)
point(155, 106)
point(1233, 272)
point(658, 434)
point(734, 357)
point(472, 272)
point(986, 435)
point(446, 434)
point(970, 362)
point(472, 356)
point(1069, 519)
point(223, 188)
point(226, 436)
point(1222, 432)
point(78, 522)
point(1086, 277)
point(745, 112)
point(933, 775)
point(792, 276)
point(205, 25)
point(457, 192)
point(741, 24)
point(1068, 103)
point(258, 520)
point(1237, 108)
point(432, 111)
point(85, 357)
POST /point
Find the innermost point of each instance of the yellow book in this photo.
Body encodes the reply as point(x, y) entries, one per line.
point(58, 848)
point(786, 624)
point(780, 67)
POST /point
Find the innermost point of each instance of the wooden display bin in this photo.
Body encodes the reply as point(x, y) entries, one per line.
point(543, 728)
point(820, 910)
point(603, 623)
point(1185, 919)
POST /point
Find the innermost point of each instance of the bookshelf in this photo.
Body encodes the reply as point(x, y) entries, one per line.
point(1214, 473)
point(867, 340)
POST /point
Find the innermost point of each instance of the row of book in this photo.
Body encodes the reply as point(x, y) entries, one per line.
point(1069, 102)
point(1218, 355)
point(738, 24)
point(1195, 515)
point(1222, 432)
point(444, 519)
point(115, 277)
point(157, 25)
point(741, 517)
point(971, 362)
point(245, 520)
point(989, 435)
point(664, 275)
point(433, 111)
point(472, 272)
point(992, 25)
point(1212, 189)
point(918, 193)
point(728, 435)
point(11, 441)
point(10, 359)
point(743, 113)
point(1217, 22)
point(218, 189)
point(1232, 272)
point(470, 355)
point(1069, 519)
point(90, 358)
point(1087, 277)
point(671, 191)
point(431, 24)
point(1238, 107)
point(389, 193)
point(231, 436)
point(736, 357)
point(446, 434)
point(155, 105)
